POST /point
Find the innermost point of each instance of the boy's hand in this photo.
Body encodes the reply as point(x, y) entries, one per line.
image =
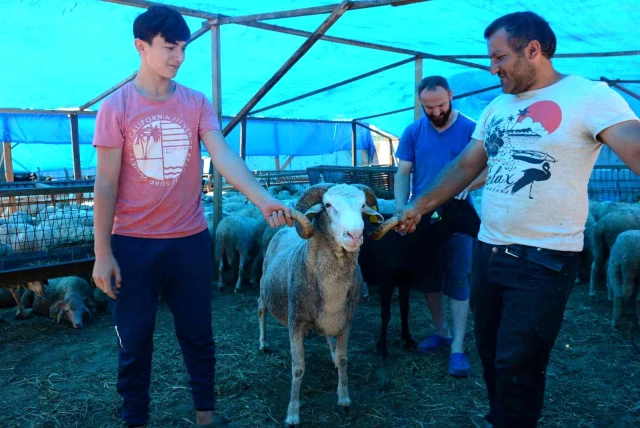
point(103, 269)
point(275, 212)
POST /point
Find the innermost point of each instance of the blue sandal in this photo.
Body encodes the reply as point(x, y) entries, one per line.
point(459, 365)
point(433, 342)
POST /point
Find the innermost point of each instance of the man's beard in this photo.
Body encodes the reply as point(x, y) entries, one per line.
point(441, 120)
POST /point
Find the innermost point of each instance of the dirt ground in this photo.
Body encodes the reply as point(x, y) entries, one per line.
point(52, 375)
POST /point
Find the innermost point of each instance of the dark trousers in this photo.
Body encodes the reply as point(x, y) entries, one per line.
point(181, 270)
point(518, 303)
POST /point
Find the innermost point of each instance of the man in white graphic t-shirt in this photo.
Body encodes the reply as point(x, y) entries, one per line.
point(540, 141)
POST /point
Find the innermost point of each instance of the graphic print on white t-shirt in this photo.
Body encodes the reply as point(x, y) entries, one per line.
point(516, 163)
point(160, 147)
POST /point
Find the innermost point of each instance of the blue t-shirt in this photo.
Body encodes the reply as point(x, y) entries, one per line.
point(430, 151)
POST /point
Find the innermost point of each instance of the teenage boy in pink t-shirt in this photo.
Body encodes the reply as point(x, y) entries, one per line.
point(150, 232)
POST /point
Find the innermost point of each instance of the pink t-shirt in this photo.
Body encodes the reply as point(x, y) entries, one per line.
point(159, 194)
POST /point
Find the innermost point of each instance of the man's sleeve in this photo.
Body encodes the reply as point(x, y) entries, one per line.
point(109, 128)
point(208, 118)
point(605, 107)
point(480, 129)
point(406, 149)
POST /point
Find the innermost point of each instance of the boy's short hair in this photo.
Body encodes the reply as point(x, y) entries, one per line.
point(163, 20)
point(430, 83)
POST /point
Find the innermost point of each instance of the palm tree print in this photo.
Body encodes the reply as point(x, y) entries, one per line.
point(149, 132)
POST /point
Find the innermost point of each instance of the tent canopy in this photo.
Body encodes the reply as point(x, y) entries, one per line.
point(65, 53)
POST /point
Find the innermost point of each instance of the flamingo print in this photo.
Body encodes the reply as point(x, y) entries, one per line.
point(530, 176)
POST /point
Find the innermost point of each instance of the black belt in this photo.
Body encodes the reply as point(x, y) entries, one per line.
point(552, 259)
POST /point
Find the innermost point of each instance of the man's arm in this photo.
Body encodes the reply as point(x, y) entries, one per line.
point(452, 180)
point(479, 181)
point(401, 184)
point(233, 168)
point(104, 205)
point(624, 140)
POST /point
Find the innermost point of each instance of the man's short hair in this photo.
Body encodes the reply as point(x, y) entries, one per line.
point(522, 28)
point(163, 20)
point(430, 83)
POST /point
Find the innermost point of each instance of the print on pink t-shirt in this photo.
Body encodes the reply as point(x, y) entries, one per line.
point(159, 193)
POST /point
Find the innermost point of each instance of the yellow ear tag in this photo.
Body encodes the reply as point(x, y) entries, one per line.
point(372, 218)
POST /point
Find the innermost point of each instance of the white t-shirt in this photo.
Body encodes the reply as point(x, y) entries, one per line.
point(542, 146)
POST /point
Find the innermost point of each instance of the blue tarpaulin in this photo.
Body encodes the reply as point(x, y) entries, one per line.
point(43, 140)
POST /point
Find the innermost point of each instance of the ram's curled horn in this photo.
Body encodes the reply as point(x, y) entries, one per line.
point(304, 227)
point(312, 196)
point(385, 227)
point(371, 200)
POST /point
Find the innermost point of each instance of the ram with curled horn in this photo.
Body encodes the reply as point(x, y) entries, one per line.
point(311, 278)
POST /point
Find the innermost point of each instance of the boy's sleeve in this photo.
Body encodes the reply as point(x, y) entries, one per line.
point(109, 128)
point(208, 118)
point(406, 150)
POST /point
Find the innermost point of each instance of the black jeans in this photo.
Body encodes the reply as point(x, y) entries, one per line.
point(518, 298)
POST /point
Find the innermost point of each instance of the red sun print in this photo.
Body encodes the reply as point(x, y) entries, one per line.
point(547, 113)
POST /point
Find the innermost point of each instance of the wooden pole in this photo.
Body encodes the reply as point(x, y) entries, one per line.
point(353, 143)
point(316, 10)
point(2, 176)
point(335, 85)
point(392, 157)
point(8, 173)
point(313, 38)
point(417, 105)
point(216, 87)
point(287, 162)
point(8, 162)
point(243, 139)
point(75, 146)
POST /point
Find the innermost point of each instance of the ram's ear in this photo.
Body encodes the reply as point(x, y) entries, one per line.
point(313, 211)
point(374, 216)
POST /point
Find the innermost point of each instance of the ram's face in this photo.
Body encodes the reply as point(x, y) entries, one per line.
point(345, 205)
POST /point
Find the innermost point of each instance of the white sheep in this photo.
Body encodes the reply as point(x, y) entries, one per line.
point(605, 233)
point(311, 278)
point(237, 236)
point(599, 209)
point(624, 273)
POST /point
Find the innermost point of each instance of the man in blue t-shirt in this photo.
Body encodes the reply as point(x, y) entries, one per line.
point(426, 147)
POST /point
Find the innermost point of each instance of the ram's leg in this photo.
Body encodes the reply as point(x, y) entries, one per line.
point(262, 310)
point(341, 358)
point(296, 337)
point(221, 269)
point(240, 272)
point(405, 291)
point(386, 291)
point(332, 348)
